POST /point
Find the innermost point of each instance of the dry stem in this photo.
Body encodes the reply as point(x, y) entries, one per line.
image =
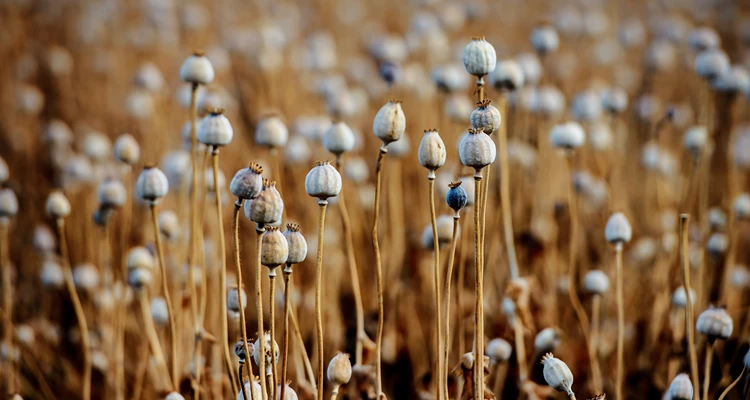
point(259, 308)
point(684, 219)
point(620, 324)
point(243, 323)
point(436, 284)
point(447, 305)
point(318, 291)
point(478, 348)
point(379, 271)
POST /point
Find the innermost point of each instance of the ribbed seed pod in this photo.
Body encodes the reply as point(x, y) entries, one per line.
point(596, 282)
point(233, 300)
point(732, 81)
point(270, 351)
point(477, 150)
point(51, 274)
point(58, 205)
point(267, 207)
point(557, 374)
point(614, 100)
point(152, 184)
point(43, 239)
point(174, 396)
point(247, 182)
point(679, 299)
point(567, 136)
point(140, 258)
point(297, 245)
point(618, 230)
point(289, 393)
point(338, 138)
point(274, 249)
point(86, 276)
point(257, 391)
point(715, 323)
point(111, 194)
point(323, 181)
point(485, 117)
point(271, 132)
point(8, 203)
point(544, 39)
point(711, 63)
point(389, 124)
point(681, 388)
point(126, 149)
point(432, 152)
point(215, 129)
point(479, 57)
point(197, 69)
point(457, 198)
point(547, 340)
point(499, 350)
point(339, 370)
point(169, 225)
point(508, 76)
point(695, 139)
point(159, 311)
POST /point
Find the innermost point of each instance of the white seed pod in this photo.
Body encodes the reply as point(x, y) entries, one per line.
point(596, 282)
point(548, 101)
point(467, 182)
point(140, 104)
point(159, 311)
point(338, 138)
point(274, 248)
point(270, 351)
point(732, 81)
point(479, 57)
point(485, 117)
point(267, 207)
point(174, 396)
point(43, 239)
point(96, 146)
point(742, 206)
point(695, 139)
point(679, 299)
point(740, 277)
point(111, 194)
point(296, 244)
point(457, 106)
point(140, 258)
point(311, 127)
point(233, 300)
point(8, 203)
point(477, 150)
point(389, 124)
point(557, 374)
point(587, 106)
point(499, 350)
point(711, 63)
point(547, 340)
point(614, 100)
point(57, 205)
point(152, 184)
point(717, 244)
point(600, 136)
point(126, 149)
point(197, 69)
point(29, 99)
point(618, 230)
point(508, 76)
point(247, 183)
point(660, 55)
point(450, 78)
point(681, 388)
point(715, 323)
point(86, 277)
point(140, 278)
point(531, 67)
point(356, 170)
point(339, 370)
point(323, 181)
point(257, 391)
point(51, 275)
point(24, 334)
point(703, 38)
point(209, 180)
point(215, 129)
point(544, 39)
point(297, 151)
point(271, 132)
point(178, 168)
point(59, 61)
point(289, 393)
point(169, 225)
point(567, 136)
point(432, 152)
point(148, 77)
point(445, 232)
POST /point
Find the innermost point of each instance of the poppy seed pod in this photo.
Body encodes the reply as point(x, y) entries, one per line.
point(508, 75)
point(477, 150)
point(247, 182)
point(257, 390)
point(389, 123)
point(679, 299)
point(531, 67)
point(270, 351)
point(51, 275)
point(111, 194)
point(8, 204)
point(152, 184)
point(338, 138)
point(169, 225)
point(468, 184)
point(742, 206)
point(596, 282)
point(703, 38)
point(140, 258)
point(339, 370)
point(323, 181)
point(544, 39)
point(233, 300)
point(444, 225)
point(271, 132)
point(289, 393)
point(485, 117)
point(140, 278)
point(557, 374)
point(715, 323)
point(457, 198)
point(126, 149)
point(568, 136)
point(618, 230)
point(267, 207)
point(711, 63)
point(86, 277)
point(717, 244)
point(215, 129)
point(695, 139)
point(432, 152)
point(547, 340)
point(479, 57)
point(732, 81)
point(174, 396)
point(614, 100)
point(58, 205)
point(209, 180)
point(274, 249)
point(197, 69)
point(499, 350)
point(43, 239)
point(297, 245)
point(159, 311)
point(681, 388)
point(239, 350)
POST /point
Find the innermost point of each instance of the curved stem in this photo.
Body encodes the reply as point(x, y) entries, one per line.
point(620, 324)
point(440, 387)
point(153, 336)
point(707, 370)
point(684, 220)
point(596, 373)
point(259, 308)
point(272, 304)
point(478, 348)
point(733, 384)
point(80, 315)
point(285, 360)
point(447, 305)
point(7, 306)
point(240, 283)
point(318, 283)
point(378, 272)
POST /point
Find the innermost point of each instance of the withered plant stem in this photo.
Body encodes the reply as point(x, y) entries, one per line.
point(685, 261)
point(440, 387)
point(285, 360)
point(318, 293)
point(447, 305)
point(620, 373)
point(271, 299)
point(478, 289)
point(10, 385)
point(260, 230)
point(707, 370)
point(240, 283)
point(378, 271)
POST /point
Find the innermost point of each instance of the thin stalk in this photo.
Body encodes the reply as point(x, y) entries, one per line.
point(7, 306)
point(127, 211)
point(596, 312)
point(684, 220)
point(318, 292)
point(447, 304)
point(378, 272)
point(501, 371)
point(271, 298)
point(733, 384)
point(520, 350)
point(80, 315)
point(238, 263)
point(285, 360)
point(259, 307)
point(240, 378)
point(191, 255)
point(167, 297)
point(478, 348)
point(505, 194)
point(620, 323)
point(301, 344)
point(707, 370)
point(335, 392)
point(153, 337)
point(436, 284)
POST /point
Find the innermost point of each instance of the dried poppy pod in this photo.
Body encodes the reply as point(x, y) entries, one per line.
point(711, 63)
point(29, 99)
point(215, 129)
point(445, 232)
point(57, 205)
point(148, 77)
point(715, 323)
point(274, 249)
point(467, 183)
point(159, 311)
point(239, 350)
point(499, 350)
point(614, 100)
point(479, 58)
point(485, 117)
point(174, 396)
point(323, 181)
point(681, 388)
point(197, 69)
point(531, 67)
point(544, 39)
point(254, 386)
point(43, 240)
point(717, 244)
point(618, 230)
point(297, 246)
point(270, 351)
point(96, 146)
point(140, 278)
point(432, 152)
point(51, 275)
point(169, 225)
point(742, 206)
point(557, 374)
point(289, 393)
point(267, 207)
point(339, 370)
point(338, 138)
point(477, 150)
point(587, 106)
point(140, 258)
point(271, 131)
point(111, 194)
point(389, 124)
point(703, 38)
point(549, 102)
point(247, 183)
point(507, 76)
point(152, 184)
point(178, 167)
point(457, 198)
point(126, 149)
point(596, 282)
point(356, 170)
point(695, 139)
point(733, 81)
point(547, 340)
point(679, 299)
point(236, 300)
point(8, 204)
point(86, 276)
point(209, 180)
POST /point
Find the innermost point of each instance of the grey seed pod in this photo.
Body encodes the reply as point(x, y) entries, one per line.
point(267, 207)
point(389, 124)
point(339, 370)
point(8, 204)
point(479, 57)
point(596, 282)
point(247, 182)
point(717, 219)
point(86, 277)
point(587, 106)
point(711, 63)
point(257, 391)
point(499, 350)
point(140, 278)
point(274, 249)
point(679, 299)
point(557, 374)
point(296, 243)
point(169, 225)
point(148, 77)
point(51, 274)
point(432, 152)
point(467, 183)
point(289, 393)
point(197, 69)
point(732, 81)
point(531, 67)
point(614, 100)
point(485, 117)
point(152, 184)
point(177, 166)
point(717, 244)
point(239, 350)
point(323, 181)
point(215, 129)
point(140, 104)
point(96, 146)
point(742, 206)
point(600, 136)
point(111, 194)
point(681, 388)
point(271, 132)
point(547, 340)
point(209, 180)
point(549, 101)
point(695, 139)
point(660, 55)
point(233, 300)
point(508, 75)
point(715, 323)
point(338, 138)
point(703, 38)
point(174, 396)
point(159, 311)
point(356, 170)
point(544, 39)
point(270, 351)
point(58, 205)
point(477, 150)
point(29, 99)
point(445, 232)
point(44, 240)
point(297, 151)
point(127, 149)
point(140, 258)
point(618, 230)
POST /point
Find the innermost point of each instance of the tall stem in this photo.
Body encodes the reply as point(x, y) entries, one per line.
point(596, 373)
point(271, 300)
point(505, 194)
point(259, 308)
point(301, 344)
point(733, 384)
point(239, 377)
point(478, 348)
point(7, 306)
point(318, 283)
point(447, 305)
point(707, 370)
point(240, 283)
point(285, 360)
point(378, 271)
point(436, 284)
point(684, 220)
point(153, 336)
point(80, 315)
point(520, 350)
point(620, 324)
point(192, 206)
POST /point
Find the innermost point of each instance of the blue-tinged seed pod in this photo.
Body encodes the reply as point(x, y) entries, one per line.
point(456, 197)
